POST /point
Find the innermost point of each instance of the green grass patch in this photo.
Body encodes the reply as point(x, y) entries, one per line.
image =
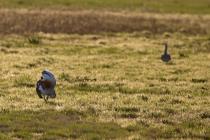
point(52, 124)
point(165, 6)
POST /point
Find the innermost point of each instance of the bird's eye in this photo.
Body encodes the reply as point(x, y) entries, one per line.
point(41, 77)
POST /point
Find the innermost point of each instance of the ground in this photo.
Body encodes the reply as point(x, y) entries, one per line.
point(111, 82)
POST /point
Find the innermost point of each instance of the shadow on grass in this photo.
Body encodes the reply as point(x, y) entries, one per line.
point(50, 124)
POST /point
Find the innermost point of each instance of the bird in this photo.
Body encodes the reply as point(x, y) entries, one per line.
point(166, 57)
point(45, 86)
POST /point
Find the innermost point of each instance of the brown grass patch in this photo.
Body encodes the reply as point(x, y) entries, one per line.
point(82, 22)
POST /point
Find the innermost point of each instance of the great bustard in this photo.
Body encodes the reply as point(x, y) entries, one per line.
point(45, 86)
point(166, 57)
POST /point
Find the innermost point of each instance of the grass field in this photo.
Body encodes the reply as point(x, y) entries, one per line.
point(111, 82)
point(109, 86)
point(163, 6)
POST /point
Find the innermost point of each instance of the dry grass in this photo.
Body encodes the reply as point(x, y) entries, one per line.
point(109, 86)
point(82, 22)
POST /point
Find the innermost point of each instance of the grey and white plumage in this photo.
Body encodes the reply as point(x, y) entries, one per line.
point(45, 87)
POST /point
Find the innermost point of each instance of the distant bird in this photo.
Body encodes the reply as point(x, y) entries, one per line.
point(166, 57)
point(45, 86)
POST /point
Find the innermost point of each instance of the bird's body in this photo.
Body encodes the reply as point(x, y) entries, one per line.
point(45, 86)
point(166, 57)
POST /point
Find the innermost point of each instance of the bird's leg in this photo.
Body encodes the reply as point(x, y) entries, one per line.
point(45, 98)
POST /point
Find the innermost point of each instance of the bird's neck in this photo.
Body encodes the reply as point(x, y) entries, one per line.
point(166, 49)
